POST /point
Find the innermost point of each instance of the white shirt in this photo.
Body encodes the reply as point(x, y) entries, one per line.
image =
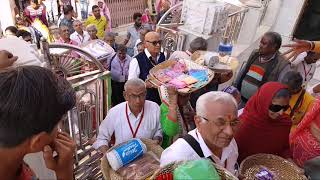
point(116, 122)
point(134, 69)
point(135, 49)
point(306, 70)
point(180, 150)
point(80, 39)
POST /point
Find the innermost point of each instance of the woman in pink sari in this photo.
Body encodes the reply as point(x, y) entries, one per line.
point(305, 141)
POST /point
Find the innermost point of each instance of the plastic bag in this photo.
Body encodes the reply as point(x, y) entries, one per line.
point(197, 169)
point(141, 168)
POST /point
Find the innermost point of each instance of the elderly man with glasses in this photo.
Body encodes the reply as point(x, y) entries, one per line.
point(146, 60)
point(135, 118)
point(216, 121)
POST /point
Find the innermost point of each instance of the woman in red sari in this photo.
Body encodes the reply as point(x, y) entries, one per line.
point(305, 141)
point(264, 127)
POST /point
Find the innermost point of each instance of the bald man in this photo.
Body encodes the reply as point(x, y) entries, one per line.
point(135, 118)
point(146, 60)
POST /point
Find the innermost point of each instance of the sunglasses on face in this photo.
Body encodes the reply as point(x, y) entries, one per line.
point(155, 43)
point(277, 108)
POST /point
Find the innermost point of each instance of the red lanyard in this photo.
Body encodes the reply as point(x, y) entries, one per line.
point(122, 65)
point(80, 38)
point(134, 133)
point(188, 53)
point(305, 72)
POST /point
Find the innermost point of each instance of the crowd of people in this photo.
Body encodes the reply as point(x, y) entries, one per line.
point(267, 110)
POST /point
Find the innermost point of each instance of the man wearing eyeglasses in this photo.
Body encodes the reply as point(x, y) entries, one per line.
point(135, 118)
point(146, 60)
point(216, 121)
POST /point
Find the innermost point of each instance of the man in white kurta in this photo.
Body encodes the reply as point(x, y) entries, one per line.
point(135, 118)
point(214, 133)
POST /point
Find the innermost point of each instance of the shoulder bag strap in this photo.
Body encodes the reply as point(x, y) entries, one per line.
point(194, 144)
point(111, 61)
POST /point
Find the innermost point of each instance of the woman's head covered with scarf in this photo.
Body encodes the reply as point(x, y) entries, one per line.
point(258, 108)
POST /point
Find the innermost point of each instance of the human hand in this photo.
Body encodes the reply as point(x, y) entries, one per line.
point(103, 149)
point(62, 164)
point(149, 84)
point(297, 48)
point(172, 91)
point(6, 59)
point(315, 131)
point(157, 140)
point(316, 89)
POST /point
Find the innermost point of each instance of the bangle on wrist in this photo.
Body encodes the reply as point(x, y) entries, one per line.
point(311, 45)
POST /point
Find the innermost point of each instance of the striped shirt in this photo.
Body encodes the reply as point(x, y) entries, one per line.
point(252, 80)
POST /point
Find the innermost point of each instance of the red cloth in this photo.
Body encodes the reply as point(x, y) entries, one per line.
point(26, 173)
point(303, 144)
point(258, 133)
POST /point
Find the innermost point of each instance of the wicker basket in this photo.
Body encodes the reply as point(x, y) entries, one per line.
point(223, 173)
point(110, 174)
point(281, 168)
point(189, 64)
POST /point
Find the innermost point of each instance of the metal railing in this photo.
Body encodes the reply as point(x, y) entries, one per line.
point(93, 90)
point(167, 27)
point(123, 10)
point(265, 4)
point(174, 40)
point(234, 24)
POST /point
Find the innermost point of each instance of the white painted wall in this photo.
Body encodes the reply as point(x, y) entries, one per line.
point(6, 13)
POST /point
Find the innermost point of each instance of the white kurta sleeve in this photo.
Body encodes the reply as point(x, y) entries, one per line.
point(106, 130)
point(134, 70)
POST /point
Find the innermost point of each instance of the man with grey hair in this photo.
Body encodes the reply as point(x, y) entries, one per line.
point(110, 38)
point(92, 30)
point(198, 44)
point(135, 118)
point(216, 121)
point(80, 36)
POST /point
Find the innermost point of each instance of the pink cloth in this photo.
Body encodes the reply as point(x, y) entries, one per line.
point(71, 42)
point(177, 83)
point(303, 144)
point(106, 12)
point(40, 13)
point(145, 17)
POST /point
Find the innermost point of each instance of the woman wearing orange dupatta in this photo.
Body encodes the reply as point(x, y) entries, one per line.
point(264, 127)
point(305, 140)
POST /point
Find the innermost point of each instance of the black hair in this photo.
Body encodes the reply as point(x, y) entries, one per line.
point(282, 93)
point(95, 7)
point(293, 80)
point(35, 1)
point(198, 43)
point(12, 29)
point(67, 9)
point(136, 15)
point(32, 100)
point(23, 34)
point(275, 38)
point(122, 48)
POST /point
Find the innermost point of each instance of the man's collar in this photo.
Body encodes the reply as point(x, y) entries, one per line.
point(130, 113)
point(206, 151)
point(96, 17)
point(147, 52)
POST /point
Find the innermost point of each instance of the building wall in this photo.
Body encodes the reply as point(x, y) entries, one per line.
point(7, 13)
